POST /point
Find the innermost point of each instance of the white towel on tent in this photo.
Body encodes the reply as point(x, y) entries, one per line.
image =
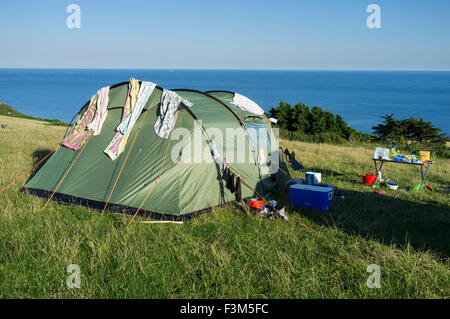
point(170, 101)
point(101, 112)
point(145, 91)
point(244, 103)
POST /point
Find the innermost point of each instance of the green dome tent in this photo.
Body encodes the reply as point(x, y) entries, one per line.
point(158, 175)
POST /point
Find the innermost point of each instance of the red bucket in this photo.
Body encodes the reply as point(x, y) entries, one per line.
point(369, 179)
point(258, 204)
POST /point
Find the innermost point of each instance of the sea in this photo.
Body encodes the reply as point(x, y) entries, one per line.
point(360, 97)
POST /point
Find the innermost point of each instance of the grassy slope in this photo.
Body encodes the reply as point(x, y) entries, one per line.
point(228, 252)
point(8, 110)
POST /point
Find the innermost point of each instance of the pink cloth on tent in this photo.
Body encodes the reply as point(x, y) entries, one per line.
point(244, 103)
point(70, 146)
point(102, 111)
point(80, 133)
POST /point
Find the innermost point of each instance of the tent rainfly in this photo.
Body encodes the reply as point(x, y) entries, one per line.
point(158, 170)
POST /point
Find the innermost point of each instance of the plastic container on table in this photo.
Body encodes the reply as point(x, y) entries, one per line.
point(381, 153)
point(424, 156)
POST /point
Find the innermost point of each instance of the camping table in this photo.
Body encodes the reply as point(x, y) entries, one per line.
point(424, 174)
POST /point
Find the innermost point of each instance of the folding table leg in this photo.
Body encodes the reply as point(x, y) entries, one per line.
point(377, 170)
point(424, 176)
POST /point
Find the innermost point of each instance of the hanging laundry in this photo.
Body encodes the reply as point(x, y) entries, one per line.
point(101, 112)
point(230, 181)
point(234, 185)
point(214, 152)
point(225, 172)
point(288, 154)
point(81, 133)
point(170, 102)
point(117, 144)
point(296, 165)
point(226, 177)
point(238, 189)
point(133, 99)
point(224, 165)
point(145, 91)
point(244, 103)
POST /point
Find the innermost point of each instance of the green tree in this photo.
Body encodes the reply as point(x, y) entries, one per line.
point(410, 129)
point(332, 126)
point(343, 127)
point(300, 117)
point(425, 132)
point(317, 120)
point(284, 114)
point(315, 124)
point(389, 130)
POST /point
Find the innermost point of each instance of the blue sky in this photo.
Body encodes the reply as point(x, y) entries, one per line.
point(245, 34)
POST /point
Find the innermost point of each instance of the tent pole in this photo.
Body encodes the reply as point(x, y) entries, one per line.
point(148, 194)
point(123, 164)
point(67, 172)
point(156, 181)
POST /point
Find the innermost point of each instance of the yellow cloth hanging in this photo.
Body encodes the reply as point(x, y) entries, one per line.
point(132, 102)
point(119, 141)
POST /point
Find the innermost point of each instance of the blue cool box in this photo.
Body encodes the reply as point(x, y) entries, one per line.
point(309, 196)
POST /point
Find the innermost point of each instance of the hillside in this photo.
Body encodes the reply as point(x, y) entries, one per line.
point(228, 252)
point(7, 110)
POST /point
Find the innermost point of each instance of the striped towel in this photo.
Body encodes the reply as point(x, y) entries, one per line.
point(117, 144)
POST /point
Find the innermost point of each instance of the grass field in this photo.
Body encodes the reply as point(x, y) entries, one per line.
point(228, 252)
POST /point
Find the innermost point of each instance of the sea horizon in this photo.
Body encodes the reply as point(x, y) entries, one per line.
point(226, 69)
point(361, 97)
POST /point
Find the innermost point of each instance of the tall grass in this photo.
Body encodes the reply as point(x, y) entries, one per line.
point(228, 252)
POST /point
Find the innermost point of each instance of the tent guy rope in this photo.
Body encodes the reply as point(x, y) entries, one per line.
point(156, 181)
point(123, 164)
point(30, 170)
point(67, 172)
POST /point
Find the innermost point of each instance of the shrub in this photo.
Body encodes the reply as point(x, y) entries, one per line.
point(314, 125)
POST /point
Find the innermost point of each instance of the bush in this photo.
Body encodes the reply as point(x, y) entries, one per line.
point(409, 131)
point(444, 153)
point(314, 125)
